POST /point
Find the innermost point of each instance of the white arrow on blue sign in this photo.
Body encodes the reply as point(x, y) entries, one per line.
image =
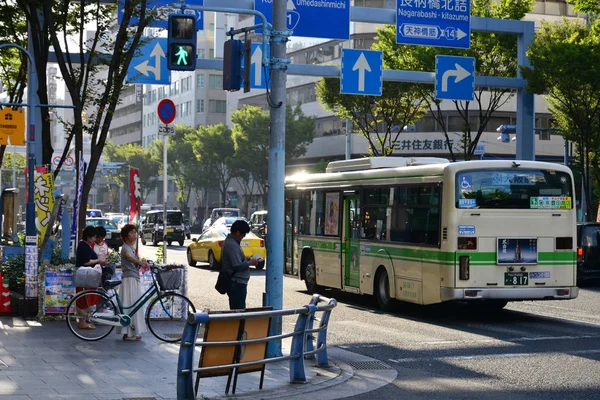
point(163, 8)
point(260, 78)
point(454, 78)
point(440, 23)
point(150, 67)
point(362, 72)
point(318, 19)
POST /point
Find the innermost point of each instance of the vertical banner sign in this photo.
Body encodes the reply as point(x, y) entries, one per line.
point(31, 267)
point(43, 189)
point(76, 205)
point(135, 196)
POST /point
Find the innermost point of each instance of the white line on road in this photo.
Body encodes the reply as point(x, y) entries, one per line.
point(482, 356)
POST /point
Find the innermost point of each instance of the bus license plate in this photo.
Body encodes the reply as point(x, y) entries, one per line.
point(516, 279)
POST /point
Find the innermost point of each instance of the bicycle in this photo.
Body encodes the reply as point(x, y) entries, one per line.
point(166, 315)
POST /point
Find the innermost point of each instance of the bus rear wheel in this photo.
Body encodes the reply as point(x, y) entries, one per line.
point(382, 290)
point(310, 276)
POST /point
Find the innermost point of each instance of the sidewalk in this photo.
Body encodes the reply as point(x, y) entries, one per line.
point(45, 361)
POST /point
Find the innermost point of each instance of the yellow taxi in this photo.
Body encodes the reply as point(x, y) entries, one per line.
point(208, 247)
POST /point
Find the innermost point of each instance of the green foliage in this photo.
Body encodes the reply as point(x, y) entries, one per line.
point(251, 135)
point(374, 116)
point(14, 270)
point(132, 155)
point(495, 55)
point(214, 149)
point(160, 255)
point(183, 165)
point(565, 65)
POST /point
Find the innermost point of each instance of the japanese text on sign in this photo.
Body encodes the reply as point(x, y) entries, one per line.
point(43, 198)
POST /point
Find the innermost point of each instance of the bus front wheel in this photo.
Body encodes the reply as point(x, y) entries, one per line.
point(310, 276)
point(382, 290)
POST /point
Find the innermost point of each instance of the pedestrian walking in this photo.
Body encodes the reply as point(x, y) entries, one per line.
point(131, 288)
point(235, 262)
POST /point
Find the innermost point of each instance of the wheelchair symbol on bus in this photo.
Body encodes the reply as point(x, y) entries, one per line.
point(466, 182)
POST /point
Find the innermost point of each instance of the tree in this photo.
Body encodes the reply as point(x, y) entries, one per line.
point(214, 150)
point(565, 65)
point(7, 167)
point(95, 78)
point(251, 137)
point(183, 165)
point(374, 116)
point(495, 55)
point(134, 156)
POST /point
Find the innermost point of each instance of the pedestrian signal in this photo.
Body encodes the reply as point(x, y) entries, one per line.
point(181, 49)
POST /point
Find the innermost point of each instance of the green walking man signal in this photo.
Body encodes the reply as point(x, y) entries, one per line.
point(181, 49)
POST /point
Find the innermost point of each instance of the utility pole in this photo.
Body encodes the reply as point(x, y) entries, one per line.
point(275, 198)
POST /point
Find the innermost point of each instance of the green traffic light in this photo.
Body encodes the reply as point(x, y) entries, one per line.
point(182, 56)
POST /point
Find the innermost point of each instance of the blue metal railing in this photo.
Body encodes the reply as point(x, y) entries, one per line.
point(302, 342)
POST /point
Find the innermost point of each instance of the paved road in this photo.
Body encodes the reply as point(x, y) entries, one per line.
point(531, 350)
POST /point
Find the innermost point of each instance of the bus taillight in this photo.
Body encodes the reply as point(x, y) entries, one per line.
point(467, 243)
point(262, 243)
point(580, 252)
point(464, 270)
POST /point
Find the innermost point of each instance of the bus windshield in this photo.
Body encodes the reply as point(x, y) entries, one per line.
point(514, 189)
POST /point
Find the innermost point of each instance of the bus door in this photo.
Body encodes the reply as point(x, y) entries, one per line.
point(351, 251)
point(290, 248)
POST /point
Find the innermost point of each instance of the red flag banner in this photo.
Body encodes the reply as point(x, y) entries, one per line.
point(135, 196)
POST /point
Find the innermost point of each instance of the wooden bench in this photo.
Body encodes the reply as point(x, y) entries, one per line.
point(234, 330)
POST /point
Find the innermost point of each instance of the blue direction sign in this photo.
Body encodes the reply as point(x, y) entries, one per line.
point(454, 78)
point(163, 8)
point(260, 78)
point(362, 72)
point(442, 23)
point(150, 67)
point(328, 19)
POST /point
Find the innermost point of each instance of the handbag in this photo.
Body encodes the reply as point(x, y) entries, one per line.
point(223, 281)
point(87, 277)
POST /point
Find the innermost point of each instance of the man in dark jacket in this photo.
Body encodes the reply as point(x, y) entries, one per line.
point(234, 260)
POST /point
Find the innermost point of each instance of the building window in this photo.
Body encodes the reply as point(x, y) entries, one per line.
point(201, 53)
point(200, 80)
point(202, 106)
point(217, 106)
point(211, 53)
point(215, 81)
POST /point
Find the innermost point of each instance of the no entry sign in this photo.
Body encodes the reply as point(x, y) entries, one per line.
point(166, 111)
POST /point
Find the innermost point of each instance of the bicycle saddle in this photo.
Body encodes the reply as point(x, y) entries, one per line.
point(112, 283)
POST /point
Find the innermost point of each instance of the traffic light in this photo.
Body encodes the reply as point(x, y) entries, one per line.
point(181, 49)
point(232, 64)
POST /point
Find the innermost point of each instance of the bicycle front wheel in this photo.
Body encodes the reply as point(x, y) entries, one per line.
point(167, 315)
point(85, 313)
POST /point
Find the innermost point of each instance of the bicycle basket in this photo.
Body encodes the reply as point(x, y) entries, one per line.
point(169, 280)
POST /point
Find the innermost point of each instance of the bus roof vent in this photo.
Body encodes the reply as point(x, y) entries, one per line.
point(358, 164)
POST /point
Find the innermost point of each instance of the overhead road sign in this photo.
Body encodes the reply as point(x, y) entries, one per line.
point(164, 8)
point(454, 78)
point(166, 111)
point(327, 19)
point(443, 23)
point(150, 67)
point(361, 72)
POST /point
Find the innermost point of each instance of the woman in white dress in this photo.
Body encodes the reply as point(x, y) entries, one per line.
point(131, 288)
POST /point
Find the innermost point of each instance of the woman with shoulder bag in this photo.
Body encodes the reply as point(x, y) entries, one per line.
point(86, 257)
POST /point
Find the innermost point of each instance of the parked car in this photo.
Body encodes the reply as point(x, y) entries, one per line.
point(93, 213)
point(152, 229)
point(258, 223)
point(588, 251)
point(227, 221)
point(113, 233)
point(208, 247)
point(218, 213)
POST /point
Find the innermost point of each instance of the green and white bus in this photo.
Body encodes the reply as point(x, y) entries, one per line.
point(425, 231)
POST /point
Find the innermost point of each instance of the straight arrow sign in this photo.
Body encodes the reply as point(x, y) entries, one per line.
point(361, 72)
point(256, 61)
point(361, 65)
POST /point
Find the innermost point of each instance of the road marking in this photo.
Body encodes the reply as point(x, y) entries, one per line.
point(483, 356)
